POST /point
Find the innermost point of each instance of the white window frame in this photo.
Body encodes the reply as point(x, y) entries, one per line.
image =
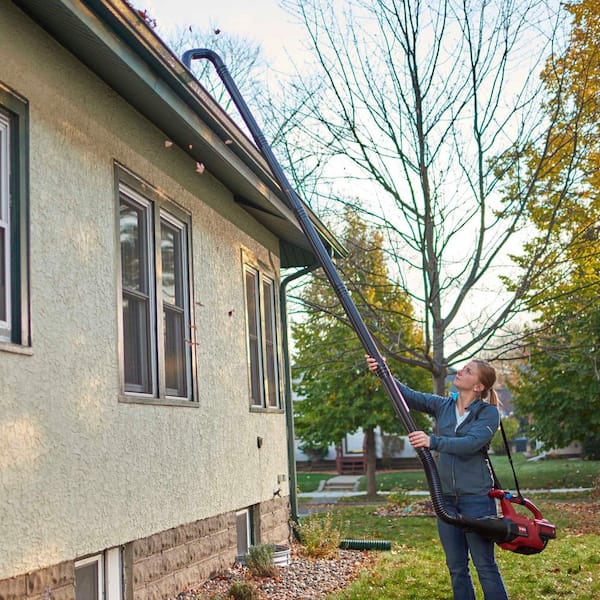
point(157, 211)
point(266, 385)
point(90, 560)
point(5, 223)
point(246, 515)
point(113, 574)
point(110, 573)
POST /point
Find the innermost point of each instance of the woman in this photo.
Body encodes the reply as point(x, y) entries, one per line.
point(466, 422)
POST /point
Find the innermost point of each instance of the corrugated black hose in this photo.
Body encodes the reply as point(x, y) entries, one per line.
point(497, 528)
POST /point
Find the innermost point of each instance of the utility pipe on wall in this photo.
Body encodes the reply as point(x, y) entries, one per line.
point(289, 404)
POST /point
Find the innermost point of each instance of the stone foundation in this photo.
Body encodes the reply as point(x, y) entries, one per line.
point(166, 563)
point(53, 583)
point(272, 521)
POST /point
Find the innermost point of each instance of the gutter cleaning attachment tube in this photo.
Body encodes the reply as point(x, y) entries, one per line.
point(498, 529)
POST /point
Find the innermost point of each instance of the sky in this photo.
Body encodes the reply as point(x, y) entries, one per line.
point(261, 20)
point(267, 23)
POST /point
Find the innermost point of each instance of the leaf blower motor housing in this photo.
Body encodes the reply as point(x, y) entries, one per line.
point(532, 534)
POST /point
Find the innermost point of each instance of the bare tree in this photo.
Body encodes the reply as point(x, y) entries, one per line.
point(429, 112)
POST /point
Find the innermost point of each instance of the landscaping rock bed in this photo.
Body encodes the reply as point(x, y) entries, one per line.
point(304, 579)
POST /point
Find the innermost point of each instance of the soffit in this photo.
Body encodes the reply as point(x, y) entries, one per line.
point(116, 44)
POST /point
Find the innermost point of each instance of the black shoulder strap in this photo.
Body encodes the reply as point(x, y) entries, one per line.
point(510, 460)
point(485, 449)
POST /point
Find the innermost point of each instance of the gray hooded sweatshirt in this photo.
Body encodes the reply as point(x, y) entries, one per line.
point(463, 465)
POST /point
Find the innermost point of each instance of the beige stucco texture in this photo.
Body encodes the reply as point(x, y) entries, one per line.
point(80, 470)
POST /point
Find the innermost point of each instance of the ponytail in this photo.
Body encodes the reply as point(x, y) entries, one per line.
point(487, 377)
point(493, 399)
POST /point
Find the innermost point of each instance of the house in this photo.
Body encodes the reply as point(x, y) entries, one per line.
point(143, 437)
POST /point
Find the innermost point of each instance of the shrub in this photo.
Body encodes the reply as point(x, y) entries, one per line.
point(241, 590)
point(260, 560)
point(319, 536)
point(315, 452)
point(591, 446)
point(511, 428)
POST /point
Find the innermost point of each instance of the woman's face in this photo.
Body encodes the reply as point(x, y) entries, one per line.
point(467, 378)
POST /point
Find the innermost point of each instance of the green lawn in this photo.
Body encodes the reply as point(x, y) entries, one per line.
point(309, 482)
point(568, 568)
point(545, 474)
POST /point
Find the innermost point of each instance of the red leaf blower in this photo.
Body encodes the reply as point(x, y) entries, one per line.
point(532, 534)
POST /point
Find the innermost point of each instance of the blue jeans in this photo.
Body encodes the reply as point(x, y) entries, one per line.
point(458, 543)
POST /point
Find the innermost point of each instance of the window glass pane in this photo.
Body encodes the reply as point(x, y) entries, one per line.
point(175, 315)
point(172, 264)
point(3, 277)
point(133, 247)
point(175, 353)
point(3, 170)
point(3, 167)
point(242, 522)
point(255, 383)
point(271, 374)
point(4, 229)
point(136, 340)
point(86, 582)
point(252, 310)
point(137, 316)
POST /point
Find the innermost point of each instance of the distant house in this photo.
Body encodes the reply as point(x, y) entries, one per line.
point(142, 420)
point(391, 450)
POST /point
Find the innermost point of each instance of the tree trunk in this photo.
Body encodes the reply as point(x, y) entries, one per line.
point(439, 382)
point(371, 460)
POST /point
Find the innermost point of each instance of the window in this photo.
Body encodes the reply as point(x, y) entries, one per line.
point(89, 578)
point(244, 527)
point(156, 332)
point(14, 277)
point(5, 278)
point(99, 577)
point(262, 339)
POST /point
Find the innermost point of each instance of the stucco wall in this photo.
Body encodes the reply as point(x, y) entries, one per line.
point(80, 471)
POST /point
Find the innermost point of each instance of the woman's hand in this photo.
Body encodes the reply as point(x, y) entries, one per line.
point(372, 363)
point(418, 439)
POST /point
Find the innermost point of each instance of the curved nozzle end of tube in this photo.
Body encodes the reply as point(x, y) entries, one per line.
point(195, 53)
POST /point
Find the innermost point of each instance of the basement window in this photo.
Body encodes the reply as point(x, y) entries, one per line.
point(99, 577)
point(89, 578)
point(244, 531)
